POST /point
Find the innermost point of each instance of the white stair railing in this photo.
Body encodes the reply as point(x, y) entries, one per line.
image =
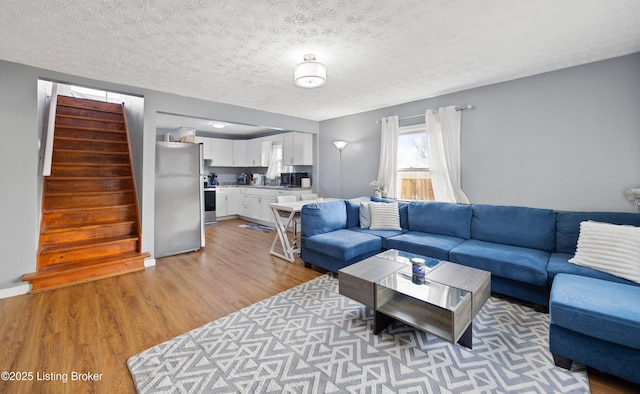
point(51, 126)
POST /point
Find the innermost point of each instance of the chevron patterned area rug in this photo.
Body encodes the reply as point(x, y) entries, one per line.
point(310, 339)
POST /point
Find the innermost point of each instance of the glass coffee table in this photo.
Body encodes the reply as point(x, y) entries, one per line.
point(444, 304)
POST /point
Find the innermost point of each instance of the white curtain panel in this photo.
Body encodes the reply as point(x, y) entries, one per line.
point(388, 155)
point(443, 148)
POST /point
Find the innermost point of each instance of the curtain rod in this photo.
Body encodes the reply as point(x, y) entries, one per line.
point(459, 108)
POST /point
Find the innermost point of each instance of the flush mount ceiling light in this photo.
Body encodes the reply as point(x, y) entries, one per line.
point(310, 74)
point(218, 125)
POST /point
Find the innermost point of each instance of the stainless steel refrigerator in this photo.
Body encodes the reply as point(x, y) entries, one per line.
point(179, 205)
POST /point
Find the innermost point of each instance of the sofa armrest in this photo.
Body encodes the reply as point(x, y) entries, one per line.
point(323, 217)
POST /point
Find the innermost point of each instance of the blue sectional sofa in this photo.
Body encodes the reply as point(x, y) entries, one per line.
point(523, 248)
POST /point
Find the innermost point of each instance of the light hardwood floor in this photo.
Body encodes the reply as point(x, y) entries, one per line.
point(95, 327)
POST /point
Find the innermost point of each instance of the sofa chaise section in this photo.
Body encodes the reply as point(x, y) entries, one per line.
point(597, 323)
point(327, 243)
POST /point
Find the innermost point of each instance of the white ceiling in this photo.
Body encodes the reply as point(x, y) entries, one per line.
point(378, 52)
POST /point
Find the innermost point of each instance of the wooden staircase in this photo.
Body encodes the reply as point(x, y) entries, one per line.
point(90, 226)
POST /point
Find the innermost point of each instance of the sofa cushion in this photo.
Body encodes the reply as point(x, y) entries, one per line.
point(596, 308)
point(512, 262)
point(353, 211)
point(568, 225)
point(533, 228)
point(441, 218)
point(610, 248)
point(383, 234)
point(319, 218)
point(343, 244)
point(559, 264)
point(430, 245)
point(403, 210)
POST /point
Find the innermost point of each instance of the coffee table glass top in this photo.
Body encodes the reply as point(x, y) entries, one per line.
point(400, 256)
point(433, 293)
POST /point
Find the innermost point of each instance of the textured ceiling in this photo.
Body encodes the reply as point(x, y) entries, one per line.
point(378, 52)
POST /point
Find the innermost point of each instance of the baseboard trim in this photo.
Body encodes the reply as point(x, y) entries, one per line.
point(150, 262)
point(15, 291)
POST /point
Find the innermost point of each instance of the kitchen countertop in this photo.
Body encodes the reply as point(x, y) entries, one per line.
point(265, 187)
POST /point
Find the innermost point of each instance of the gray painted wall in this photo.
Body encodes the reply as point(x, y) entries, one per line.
point(19, 154)
point(566, 140)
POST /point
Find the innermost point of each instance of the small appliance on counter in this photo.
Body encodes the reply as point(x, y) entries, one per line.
point(244, 179)
point(292, 179)
point(257, 179)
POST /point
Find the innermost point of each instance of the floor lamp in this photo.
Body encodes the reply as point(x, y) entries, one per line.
point(340, 145)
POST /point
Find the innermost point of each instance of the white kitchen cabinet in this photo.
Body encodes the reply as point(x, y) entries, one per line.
point(206, 147)
point(297, 149)
point(222, 201)
point(239, 153)
point(221, 152)
point(254, 153)
point(233, 201)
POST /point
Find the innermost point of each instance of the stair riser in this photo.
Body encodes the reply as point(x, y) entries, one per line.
point(81, 171)
point(87, 274)
point(96, 135)
point(88, 201)
point(89, 158)
point(88, 217)
point(89, 104)
point(54, 185)
point(73, 234)
point(61, 110)
point(96, 145)
point(50, 259)
point(88, 123)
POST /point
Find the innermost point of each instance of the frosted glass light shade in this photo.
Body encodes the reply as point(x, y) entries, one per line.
point(310, 74)
point(340, 144)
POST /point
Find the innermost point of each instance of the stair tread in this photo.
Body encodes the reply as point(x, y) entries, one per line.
point(56, 210)
point(61, 138)
point(89, 118)
point(68, 164)
point(74, 245)
point(87, 178)
point(85, 264)
point(84, 128)
point(92, 193)
point(93, 152)
point(99, 224)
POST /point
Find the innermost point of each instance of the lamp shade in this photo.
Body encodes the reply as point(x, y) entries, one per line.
point(340, 144)
point(310, 74)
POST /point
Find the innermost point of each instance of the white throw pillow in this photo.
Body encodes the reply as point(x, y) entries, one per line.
point(611, 248)
point(365, 214)
point(384, 216)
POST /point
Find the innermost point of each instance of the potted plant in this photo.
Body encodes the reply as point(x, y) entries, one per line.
point(378, 188)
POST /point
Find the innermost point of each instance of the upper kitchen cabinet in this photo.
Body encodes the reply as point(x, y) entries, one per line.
point(239, 153)
point(297, 149)
point(206, 147)
point(254, 152)
point(221, 152)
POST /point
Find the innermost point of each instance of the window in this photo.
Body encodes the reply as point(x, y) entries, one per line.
point(413, 177)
